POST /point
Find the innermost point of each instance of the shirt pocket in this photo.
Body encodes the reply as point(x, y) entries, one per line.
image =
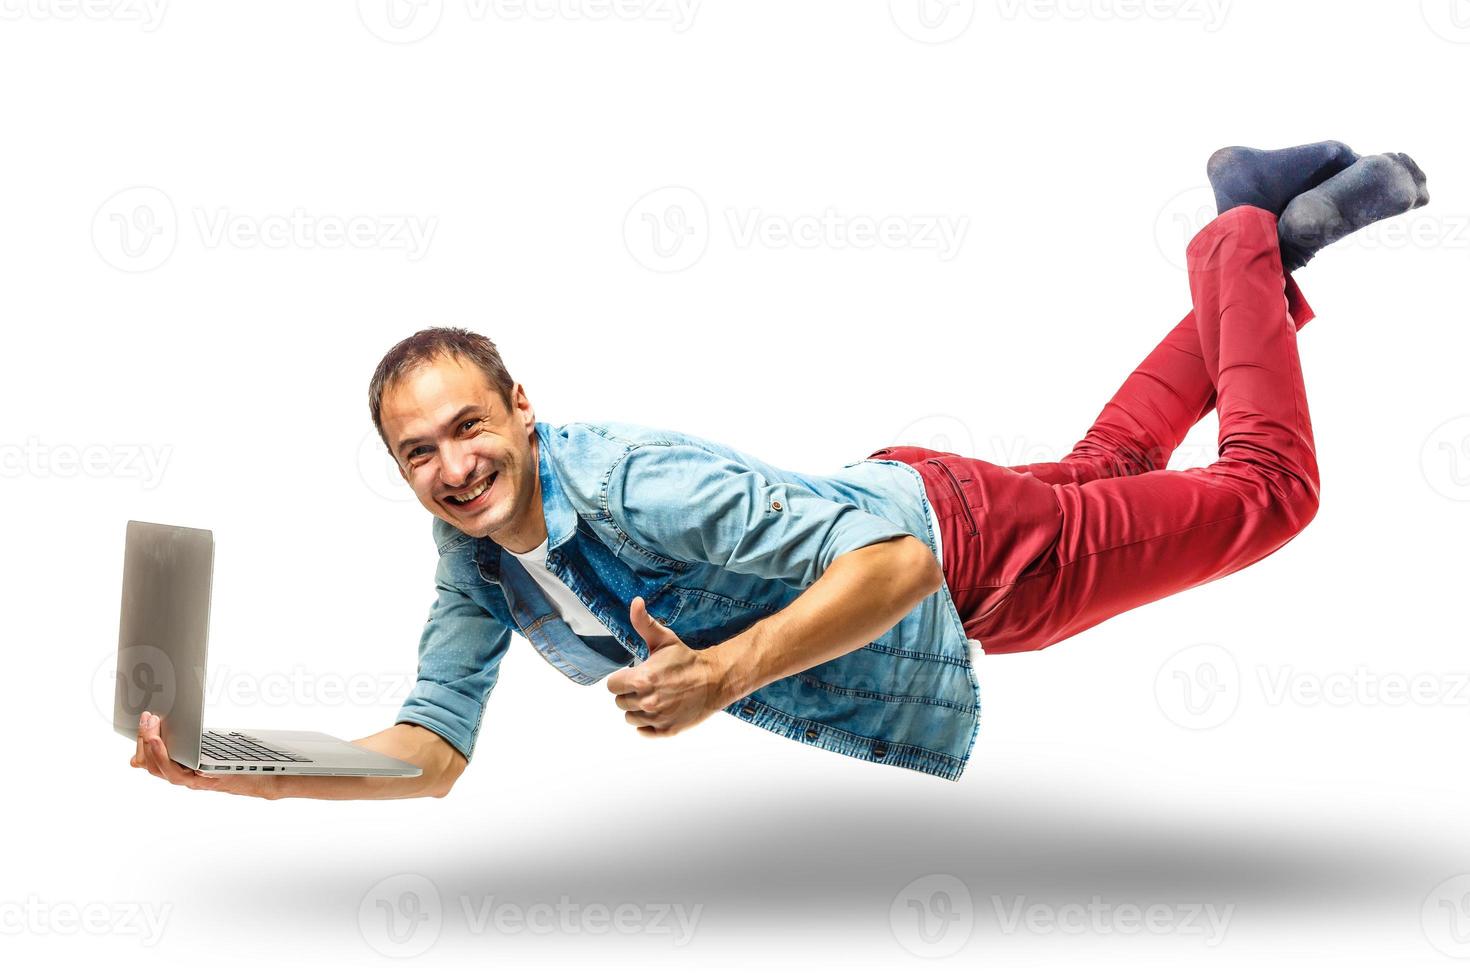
point(704, 618)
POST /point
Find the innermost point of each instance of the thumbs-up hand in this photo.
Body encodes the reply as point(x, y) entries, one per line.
point(675, 688)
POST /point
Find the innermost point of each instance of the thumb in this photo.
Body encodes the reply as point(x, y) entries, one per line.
point(654, 633)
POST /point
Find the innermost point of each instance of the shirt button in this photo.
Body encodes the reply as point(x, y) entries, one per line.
point(747, 709)
point(775, 505)
point(880, 750)
point(811, 733)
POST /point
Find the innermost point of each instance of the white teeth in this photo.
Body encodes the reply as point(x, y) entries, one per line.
point(465, 498)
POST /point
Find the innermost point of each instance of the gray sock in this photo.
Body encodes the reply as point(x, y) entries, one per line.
point(1269, 179)
point(1374, 188)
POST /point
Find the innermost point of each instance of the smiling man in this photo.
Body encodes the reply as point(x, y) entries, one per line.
point(693, 577)
point(841, 611)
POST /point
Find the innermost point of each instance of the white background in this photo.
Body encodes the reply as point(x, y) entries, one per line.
point(186, 342)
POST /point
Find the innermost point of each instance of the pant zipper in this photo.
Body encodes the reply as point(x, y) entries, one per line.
point(959, 493)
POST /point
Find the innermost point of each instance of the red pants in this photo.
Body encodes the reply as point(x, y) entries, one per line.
point(1034, 554)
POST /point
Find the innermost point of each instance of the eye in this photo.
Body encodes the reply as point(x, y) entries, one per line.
point(469, 422)
point(416, 450)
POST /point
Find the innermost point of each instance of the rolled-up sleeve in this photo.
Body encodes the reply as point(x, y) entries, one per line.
point(460, 651)
point(689, 504)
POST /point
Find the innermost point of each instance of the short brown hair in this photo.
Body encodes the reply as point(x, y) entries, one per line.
point(427, 345)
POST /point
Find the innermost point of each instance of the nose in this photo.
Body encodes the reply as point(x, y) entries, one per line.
point(458, 466)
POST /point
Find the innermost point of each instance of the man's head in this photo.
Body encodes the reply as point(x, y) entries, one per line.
point(455, 422)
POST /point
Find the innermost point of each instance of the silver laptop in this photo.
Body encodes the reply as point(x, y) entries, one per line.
point(162, 647)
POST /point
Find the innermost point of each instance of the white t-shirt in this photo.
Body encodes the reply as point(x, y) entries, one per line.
point(563, 599)
point(575, 611)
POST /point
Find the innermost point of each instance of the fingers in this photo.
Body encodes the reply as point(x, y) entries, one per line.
point(153, 756)
point(629, 680)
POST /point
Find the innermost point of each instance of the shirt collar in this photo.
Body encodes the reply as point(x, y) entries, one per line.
point(557, 510)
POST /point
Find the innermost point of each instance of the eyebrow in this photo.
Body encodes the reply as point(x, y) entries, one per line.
point(412, 440)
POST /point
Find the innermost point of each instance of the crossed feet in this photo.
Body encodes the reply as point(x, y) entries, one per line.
point(1320, 192)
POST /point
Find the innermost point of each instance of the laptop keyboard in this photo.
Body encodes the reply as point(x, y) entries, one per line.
point(236, 747)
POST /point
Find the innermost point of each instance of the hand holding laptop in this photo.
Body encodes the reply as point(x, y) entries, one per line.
point(151, 754)
point(163, 639)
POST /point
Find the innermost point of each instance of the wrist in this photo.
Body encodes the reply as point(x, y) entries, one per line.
point(735, 677)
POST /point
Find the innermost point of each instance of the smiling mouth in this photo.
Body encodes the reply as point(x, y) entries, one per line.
point(475, 494)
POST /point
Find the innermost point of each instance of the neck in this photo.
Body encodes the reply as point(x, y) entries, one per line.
point(529, 527)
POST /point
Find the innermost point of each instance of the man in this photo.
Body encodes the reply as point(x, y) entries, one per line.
point(839, 610)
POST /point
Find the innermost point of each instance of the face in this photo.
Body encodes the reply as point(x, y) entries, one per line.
point(470, 459)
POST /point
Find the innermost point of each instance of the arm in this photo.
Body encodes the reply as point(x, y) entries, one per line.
point(441, 764)
point(460, 650)
point(858, 599)
point(858, 575)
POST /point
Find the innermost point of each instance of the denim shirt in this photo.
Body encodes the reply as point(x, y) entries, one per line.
point(714, 540)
